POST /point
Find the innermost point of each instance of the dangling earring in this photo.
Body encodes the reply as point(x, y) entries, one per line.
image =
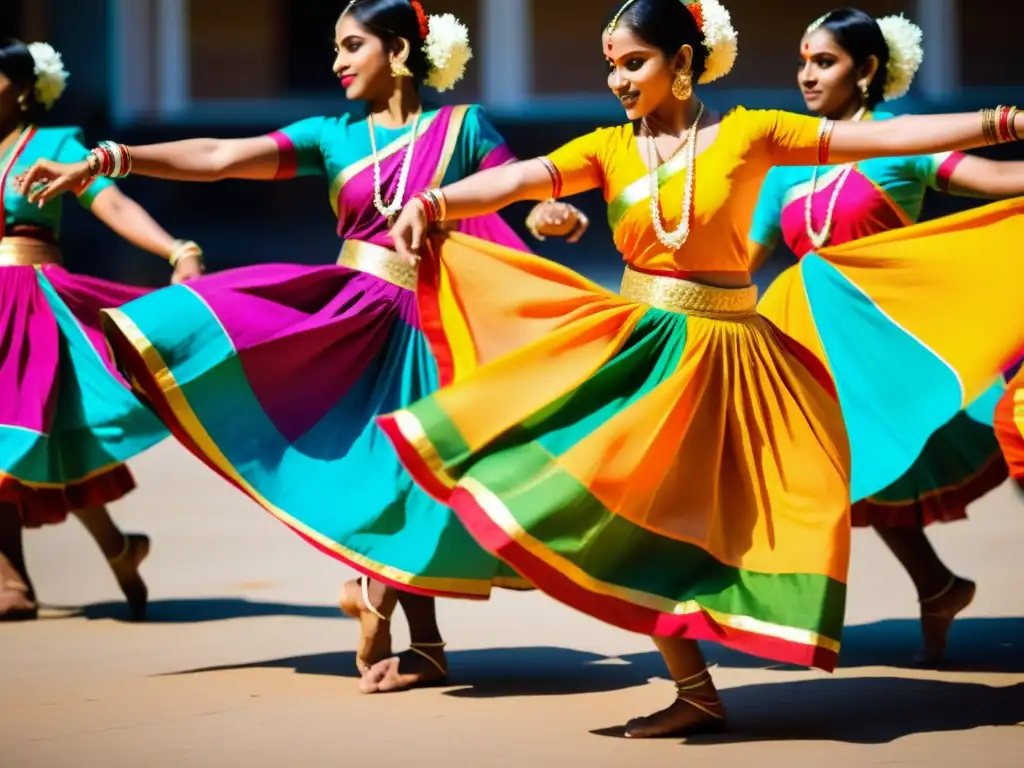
point(682, 86)
point(23, 101)
point(398, 69)
point(864, 91)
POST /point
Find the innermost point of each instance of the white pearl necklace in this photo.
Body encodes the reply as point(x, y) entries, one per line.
point(673, 240)
point(388, 211)
point(819, 239)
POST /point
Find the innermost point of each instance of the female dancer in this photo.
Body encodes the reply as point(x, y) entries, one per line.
point(851, 62)
point(273, 374)
point(68, 422)
point(667, 460)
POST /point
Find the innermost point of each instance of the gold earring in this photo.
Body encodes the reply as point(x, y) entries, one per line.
point(864, 91)
point(682, 86)
point(23, 101)
point(398, 69)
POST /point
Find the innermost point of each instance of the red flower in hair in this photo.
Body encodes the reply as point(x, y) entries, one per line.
point(421, 16)
point(698, 14)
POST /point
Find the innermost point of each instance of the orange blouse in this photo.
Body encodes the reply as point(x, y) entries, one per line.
point(729, 174)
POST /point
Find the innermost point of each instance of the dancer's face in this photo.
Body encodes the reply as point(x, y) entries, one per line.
point(641, 76)
point(362, 61)
point(827, 75)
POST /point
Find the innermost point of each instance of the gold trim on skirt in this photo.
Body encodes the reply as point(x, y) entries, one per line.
point(675, 295)
point(27, 252)
point(380, 262)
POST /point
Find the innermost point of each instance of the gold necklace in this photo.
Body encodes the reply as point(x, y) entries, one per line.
point(673, 240)
point(388, 211)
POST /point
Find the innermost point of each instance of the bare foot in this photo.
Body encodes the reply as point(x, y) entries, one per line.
point(419, 667)
point(16, 604)
point(126, 570)
point(375, 632)
point(681, 718)
point(17, 598)
point(937, 616)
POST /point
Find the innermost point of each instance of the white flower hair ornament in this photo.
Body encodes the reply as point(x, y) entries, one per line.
point(447, 49)
point(51, 77)
point(720, 38)
point(904, 39)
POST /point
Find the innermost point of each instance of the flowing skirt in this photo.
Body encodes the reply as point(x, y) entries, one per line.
point(1009, 425)
point(875, 342)
point(272, 375)
point(667, 460)
point(68, 420)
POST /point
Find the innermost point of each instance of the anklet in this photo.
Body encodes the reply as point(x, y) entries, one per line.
point(415, 648)
point(365, 583)
point(941, 593)
point(124, 551)
point(692, 683)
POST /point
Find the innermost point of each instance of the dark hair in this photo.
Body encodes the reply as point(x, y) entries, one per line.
point(390, 20)
point(857, 33)
point(20, 68)
point(668, 25)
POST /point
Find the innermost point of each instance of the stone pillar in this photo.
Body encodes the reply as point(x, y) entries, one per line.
point(506, 53)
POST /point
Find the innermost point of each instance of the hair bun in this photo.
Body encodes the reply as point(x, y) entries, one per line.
point(904, 40)
point(447, 49)
point(720, 38)
point(51, 77)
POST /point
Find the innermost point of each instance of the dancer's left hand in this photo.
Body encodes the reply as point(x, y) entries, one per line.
point(554, 219)
point(409, 230)
point(187, 268)
point(47, 179)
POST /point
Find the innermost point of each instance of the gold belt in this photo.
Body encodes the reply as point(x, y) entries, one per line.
point(689, 298)
point(27, 252)
point(380, 262)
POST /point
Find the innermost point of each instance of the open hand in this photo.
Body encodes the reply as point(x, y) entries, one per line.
point(47, 179)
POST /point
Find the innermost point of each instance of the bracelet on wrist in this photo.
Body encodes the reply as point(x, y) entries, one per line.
point(434, 205)
point(183, 249)
point(111, 160)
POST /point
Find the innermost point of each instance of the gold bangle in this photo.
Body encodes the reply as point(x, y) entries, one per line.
point(183, 249)
point(442, 204)
point(990, 127)
point(1011, 124)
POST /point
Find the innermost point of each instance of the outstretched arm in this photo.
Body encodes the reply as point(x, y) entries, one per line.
point(477, 195)
point(851, 141)
point(980, 177)
point(188, 160)
point(132, 222)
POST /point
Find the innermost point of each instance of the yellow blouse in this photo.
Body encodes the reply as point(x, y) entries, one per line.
point(729, 173)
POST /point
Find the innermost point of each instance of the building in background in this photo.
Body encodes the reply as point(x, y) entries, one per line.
point(250, 62)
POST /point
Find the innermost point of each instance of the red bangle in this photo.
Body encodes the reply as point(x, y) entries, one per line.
point(430, 206)
point(556, 177)
point(1004, 125)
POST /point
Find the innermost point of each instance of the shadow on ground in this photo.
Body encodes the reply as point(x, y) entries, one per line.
point(869, 710)
point(195, 610)
point(975, 645)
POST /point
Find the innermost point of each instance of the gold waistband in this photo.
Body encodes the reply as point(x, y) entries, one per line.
point(676, 295)
point(27, 252)
point(380, 262)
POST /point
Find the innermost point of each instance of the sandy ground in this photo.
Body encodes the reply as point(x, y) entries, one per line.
point(246, 661)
